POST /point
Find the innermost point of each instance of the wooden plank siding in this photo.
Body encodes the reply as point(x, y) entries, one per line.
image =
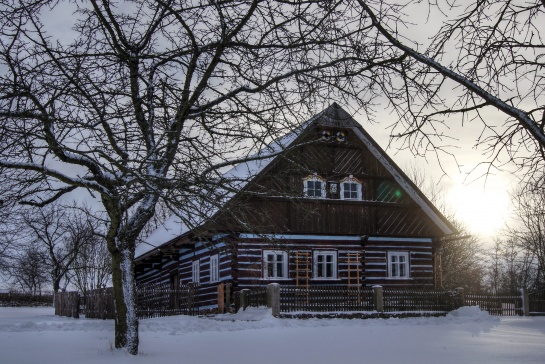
point(373, 269)
point(330, 217)
point(250, 260)
point(179, 269)
point(421, 261)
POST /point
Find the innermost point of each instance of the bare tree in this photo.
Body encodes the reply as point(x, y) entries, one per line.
point(487, 55)
point(57, 230)
point(93, 266)
point(29, 268)
point(528, 229)
point(8, 234)
point(510, 267)
point(462, 262)
point(149, 100)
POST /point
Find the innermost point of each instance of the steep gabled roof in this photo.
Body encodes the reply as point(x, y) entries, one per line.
point(334, 116)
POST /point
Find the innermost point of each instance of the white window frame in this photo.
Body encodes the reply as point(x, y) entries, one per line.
point(395, 264)
point(214, 268)
point(314, 178)
point(283, 268)
point(315, 266)
point(196, 272)
point(357, 182)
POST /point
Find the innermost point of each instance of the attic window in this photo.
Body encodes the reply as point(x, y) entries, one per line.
point(314, 186)
point(351, 188)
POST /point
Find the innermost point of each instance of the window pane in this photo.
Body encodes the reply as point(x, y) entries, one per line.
point(270, 270)
point(329, 270)
point(350, 190)
point(314, 188)
point(399, 265)
point(324, 265)
point(279, 270)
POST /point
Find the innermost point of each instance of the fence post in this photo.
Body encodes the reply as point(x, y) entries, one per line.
point(273, 298)
point(75, 304)
point(191, 299)
point(228, 295)
point(244, 299)
point(378, 299)
point(57, 303)
point(525, 302)
point(221, 298)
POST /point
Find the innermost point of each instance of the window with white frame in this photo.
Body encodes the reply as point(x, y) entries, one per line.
point(398, 264)
point(350, 188)
point(196, 272)
point(325, 264)
point(275, 264)
point(214, 268)
point(314, 186)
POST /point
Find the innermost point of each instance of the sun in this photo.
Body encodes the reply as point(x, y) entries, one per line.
point(483, 209)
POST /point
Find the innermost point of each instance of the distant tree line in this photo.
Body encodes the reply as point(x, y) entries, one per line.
point(53, 248)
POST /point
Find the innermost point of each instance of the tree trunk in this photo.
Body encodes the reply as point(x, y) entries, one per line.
point(124, 289)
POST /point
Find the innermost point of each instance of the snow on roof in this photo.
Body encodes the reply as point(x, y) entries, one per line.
point(170, 229)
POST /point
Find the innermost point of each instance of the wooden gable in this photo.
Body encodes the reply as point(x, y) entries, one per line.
point(333, 147)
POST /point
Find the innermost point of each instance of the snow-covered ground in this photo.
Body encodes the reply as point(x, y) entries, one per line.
point(468, 335)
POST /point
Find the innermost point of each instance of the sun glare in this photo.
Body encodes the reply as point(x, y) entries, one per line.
point(483, 210)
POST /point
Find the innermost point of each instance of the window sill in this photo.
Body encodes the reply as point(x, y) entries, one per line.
point(275, 279)
point(325, 279)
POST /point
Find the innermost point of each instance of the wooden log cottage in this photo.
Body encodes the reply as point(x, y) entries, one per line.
point(331, 209)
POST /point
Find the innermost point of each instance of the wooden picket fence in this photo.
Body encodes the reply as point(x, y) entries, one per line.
point(99, 304)
point(14, 298)
point(257, 297)
point(497, 304)
point(67, 304)
point(537, 302)
point(158, 300)
point(325, 298)
point(153, 300)
point(403, 300)
point(392, 300)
